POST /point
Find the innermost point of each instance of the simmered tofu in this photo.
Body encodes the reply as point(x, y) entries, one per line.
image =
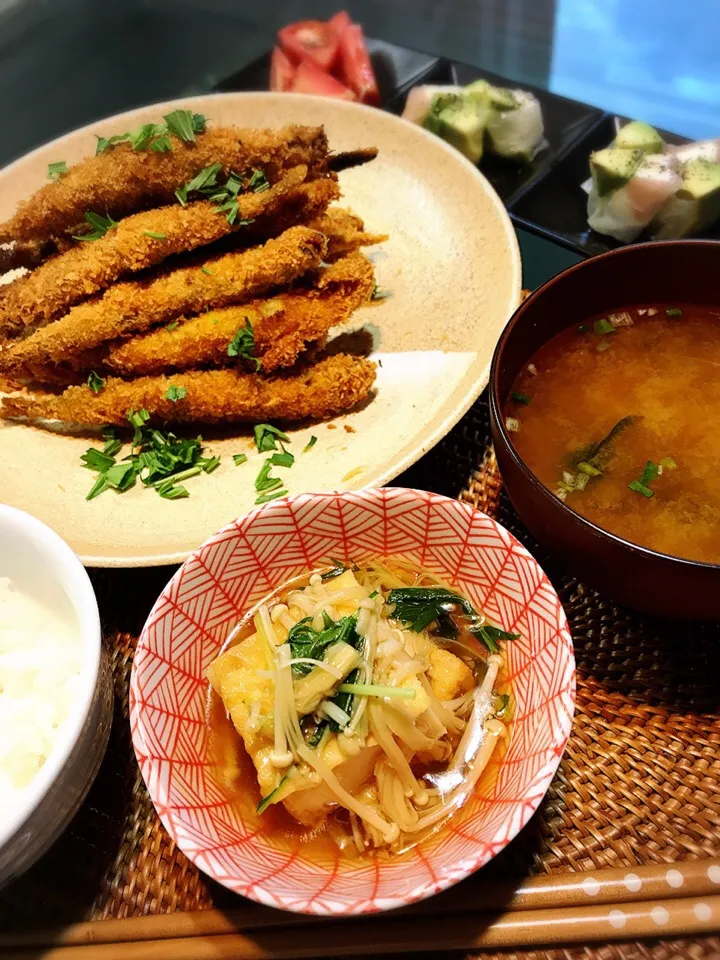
point(449, 676)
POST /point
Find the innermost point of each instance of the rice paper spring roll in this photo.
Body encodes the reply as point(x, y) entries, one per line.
point(698, 150)
point(514, 122)
point(696, 205)
point(629, 188)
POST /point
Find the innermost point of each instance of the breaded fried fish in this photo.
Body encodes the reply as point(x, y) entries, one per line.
point(122, 181)
point(138, 305)
point(334, 385)
point(139, 241)
point(282, 326)
point(345, 232)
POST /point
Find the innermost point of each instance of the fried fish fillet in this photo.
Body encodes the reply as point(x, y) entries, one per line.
point(282, 326)
point(136, 305)
point(122, 181)
point(139, 241)
point(334, 385)
point(345, 232)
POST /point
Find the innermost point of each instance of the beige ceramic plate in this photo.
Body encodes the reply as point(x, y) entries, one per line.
point(452, 271)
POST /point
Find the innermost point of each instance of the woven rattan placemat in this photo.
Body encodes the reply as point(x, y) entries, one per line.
point(639, 783)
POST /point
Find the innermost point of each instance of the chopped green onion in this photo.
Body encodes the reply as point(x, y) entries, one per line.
point(639, 487)
point(667, 463)
point(208, 271)
point(603, 326)
point(588, 469)
point(377, 690)
point(581, 481)
point(673, 312)
point(310, 444)
point(602, 347)
point(239, 458)
point(523, 398)
point(173, 325)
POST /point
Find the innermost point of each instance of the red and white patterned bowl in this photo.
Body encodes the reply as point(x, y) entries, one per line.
point(256, 554)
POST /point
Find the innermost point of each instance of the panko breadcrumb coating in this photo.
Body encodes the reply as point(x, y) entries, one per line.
point(137, 305)
point(122, 181)
point(345, 232)
point(332, 386)
point(283, 326)
point(139, 241)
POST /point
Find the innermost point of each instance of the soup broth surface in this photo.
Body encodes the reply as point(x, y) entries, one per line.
point(663, 371)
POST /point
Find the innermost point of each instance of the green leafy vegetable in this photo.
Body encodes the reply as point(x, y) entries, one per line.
point(308, 643)
point(206, 178)
point(57, 170)
point(418, 607)
point(243, 344)
point(239, 458)
point(270, 798)
point(310, 444)
point(603, 326)
point(223, 195)
point(523, 398)
point(183, 123)
point(266, 437)
point(264, 482)
point(100, 226)
point(95, 382)
point(258, 182)
point(175, 393)
point(155, 236)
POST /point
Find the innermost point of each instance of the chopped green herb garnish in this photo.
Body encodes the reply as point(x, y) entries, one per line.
point(309, 644)
point(159, 460)
point(310, 444)
point(523, 398)
point(175, 393)
point(603, 346)
point(57, 170)
point(603, 326)
point(264, 481)
point(267, 497)
point(667, 463)
point(155, 236)
point(201, 181)
point(95, 382)
point(239, 458)
point(588, 469)
point(258, 182)
point(184, 124)
point(173, 325)
point(418, 607)
point(100, 226)
point(154, 136)
point(674, 312)
point(597, 455)
point(243, 344)
point(266, 437)
point(208, 271)
point(283, 459)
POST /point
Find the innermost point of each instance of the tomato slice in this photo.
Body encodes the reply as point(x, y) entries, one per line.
point(355, 66)
point(339, 22)
point(309, 79)
point(310, 40)
point(282, 72)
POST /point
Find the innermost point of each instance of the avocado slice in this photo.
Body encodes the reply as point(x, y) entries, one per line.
point(612, 168)
point(497, 98)
point(695, 206)
point(638, 135)
point(459, 122)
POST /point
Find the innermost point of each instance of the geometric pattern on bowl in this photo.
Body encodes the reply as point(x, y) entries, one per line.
point(252, 557)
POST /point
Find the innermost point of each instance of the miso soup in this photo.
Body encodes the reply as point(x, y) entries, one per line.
point(619, 417)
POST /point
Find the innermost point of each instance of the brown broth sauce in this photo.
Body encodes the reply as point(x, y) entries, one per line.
point(236, 771)
point(663, 369)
